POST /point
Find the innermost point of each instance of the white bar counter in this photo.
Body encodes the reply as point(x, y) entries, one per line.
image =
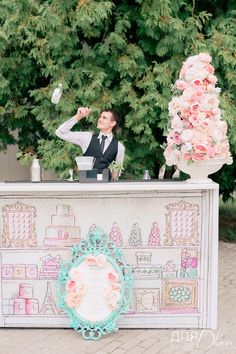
point(167, 230)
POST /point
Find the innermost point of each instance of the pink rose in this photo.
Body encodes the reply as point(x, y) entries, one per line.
point(71, 285)
point(113, 277)
point(187, 157)
point(186, 113)
point(198, 94)
point(194, 119)
point(215, 111)
point(210, 68)
point(211, 151)
point(177, 138)
point(91, 260)
point(208, 114)
point(212, 79)
point(195, 106)
point(187, 123)
point(198, 156)
point(200, 148)
point(181, 85)
point(197, 82)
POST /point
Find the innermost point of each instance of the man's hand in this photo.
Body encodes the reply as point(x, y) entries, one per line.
point(82, 112)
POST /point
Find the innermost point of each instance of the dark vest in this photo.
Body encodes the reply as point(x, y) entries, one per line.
point(102, 160)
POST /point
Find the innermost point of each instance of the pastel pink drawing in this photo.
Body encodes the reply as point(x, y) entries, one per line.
point(32, 306)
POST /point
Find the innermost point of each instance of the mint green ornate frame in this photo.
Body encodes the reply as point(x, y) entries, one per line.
point(97, 242)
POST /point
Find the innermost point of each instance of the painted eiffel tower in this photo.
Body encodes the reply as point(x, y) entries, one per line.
point(49, 306)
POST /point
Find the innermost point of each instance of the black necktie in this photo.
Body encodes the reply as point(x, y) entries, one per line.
point(103, 142)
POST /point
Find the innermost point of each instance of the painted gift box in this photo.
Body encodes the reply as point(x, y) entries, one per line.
point(31, 271)
point(169, 270)
point(19, 271)
point(26, 291)
point(7, 271)
point(31, 306)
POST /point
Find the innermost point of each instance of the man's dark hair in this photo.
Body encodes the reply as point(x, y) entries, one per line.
point(114, 115)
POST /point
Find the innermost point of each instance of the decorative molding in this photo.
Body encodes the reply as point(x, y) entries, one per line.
point(182, 224)
point(19, 225)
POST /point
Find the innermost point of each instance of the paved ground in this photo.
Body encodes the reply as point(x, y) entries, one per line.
point(67, 341)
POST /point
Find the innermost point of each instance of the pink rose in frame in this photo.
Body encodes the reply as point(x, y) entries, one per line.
point(71, 285)
point(115, 286)
point(113, 276)
point(72, 299)
point(91, 260)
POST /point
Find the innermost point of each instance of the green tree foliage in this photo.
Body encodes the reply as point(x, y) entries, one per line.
point(124, 54)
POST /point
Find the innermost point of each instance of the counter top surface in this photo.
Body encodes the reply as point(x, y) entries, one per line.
point(60, 186)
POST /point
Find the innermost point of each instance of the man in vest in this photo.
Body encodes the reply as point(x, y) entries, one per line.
point(103, 146)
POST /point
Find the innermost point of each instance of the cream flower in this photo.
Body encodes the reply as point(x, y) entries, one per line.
point(74, 273)
point(187, 135)
point(101, 260)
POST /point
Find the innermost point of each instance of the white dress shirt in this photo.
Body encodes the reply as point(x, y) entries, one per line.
point(83, 138)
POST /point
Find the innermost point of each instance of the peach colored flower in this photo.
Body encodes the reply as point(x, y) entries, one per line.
point(72, 299)
point(91, 260)
point(210, 88)
point(112, 305)
point(101, 260)
point(71, 285)
point(115, 286)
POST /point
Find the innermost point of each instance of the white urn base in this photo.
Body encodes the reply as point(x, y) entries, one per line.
point(200, 170)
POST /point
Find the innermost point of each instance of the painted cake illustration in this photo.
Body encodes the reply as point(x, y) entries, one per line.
point(62, 230)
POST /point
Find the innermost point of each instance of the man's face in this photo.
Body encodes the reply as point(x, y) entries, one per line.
point(106, 122)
